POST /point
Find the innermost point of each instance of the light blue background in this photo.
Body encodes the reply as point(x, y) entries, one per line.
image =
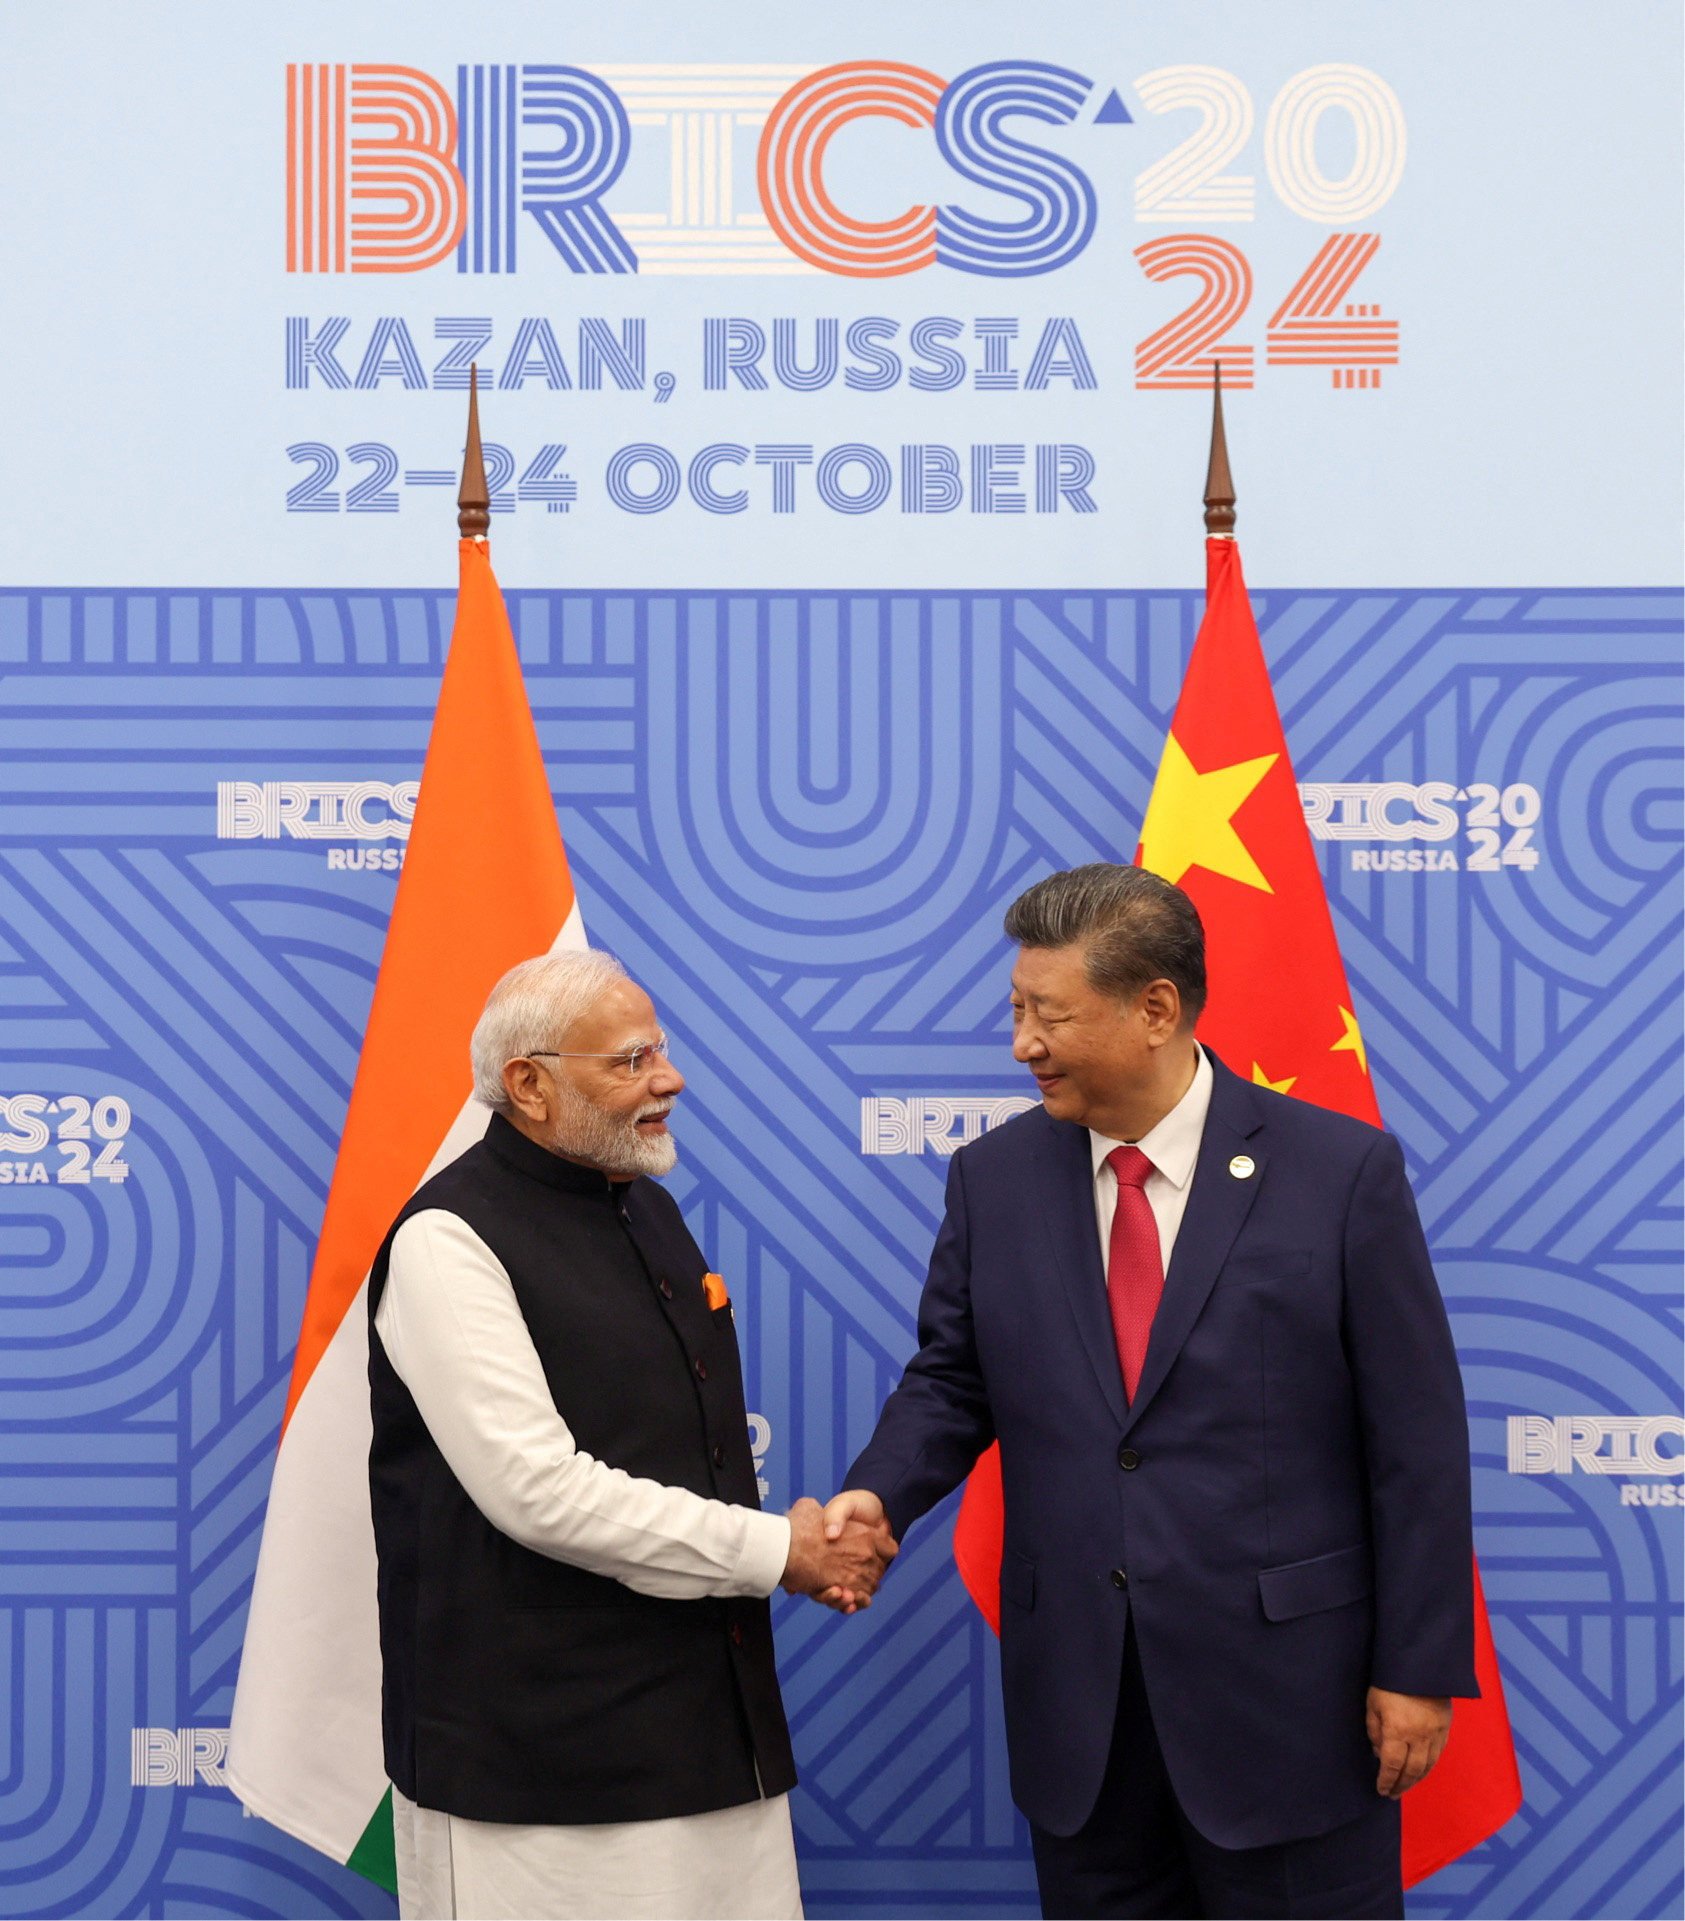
point(1531, 255)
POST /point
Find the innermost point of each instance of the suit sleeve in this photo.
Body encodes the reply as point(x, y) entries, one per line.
point(937, 1421)
point(1415, 1437)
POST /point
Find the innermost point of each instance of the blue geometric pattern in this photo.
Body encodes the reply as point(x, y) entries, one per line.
point(798, 817)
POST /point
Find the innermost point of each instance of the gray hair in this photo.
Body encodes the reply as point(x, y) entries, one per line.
point(533, 1006)
point(1136, 928)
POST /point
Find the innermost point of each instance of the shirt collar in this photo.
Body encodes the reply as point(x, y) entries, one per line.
point(1173, 1144)
point(524, 1154)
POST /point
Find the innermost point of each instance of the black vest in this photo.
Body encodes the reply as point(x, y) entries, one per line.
point(518, 1688)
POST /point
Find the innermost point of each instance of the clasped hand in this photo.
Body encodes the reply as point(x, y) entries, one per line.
point(838, 1553)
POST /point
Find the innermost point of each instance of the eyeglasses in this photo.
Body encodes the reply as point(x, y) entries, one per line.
point(630, 1065)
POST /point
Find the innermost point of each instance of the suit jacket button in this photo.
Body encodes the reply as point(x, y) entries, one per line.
point(1128, 1458)
point(1119, 1578)
point(736, 1635)
point(719, 1454)
point(701, 1370)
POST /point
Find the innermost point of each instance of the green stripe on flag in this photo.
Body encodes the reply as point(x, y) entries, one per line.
point(375, 1856)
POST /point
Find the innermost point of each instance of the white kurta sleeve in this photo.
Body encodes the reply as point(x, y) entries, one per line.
point(454, 1332)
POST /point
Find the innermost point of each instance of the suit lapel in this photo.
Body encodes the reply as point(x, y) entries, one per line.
point(1074, 1237)
point(1218, 1204)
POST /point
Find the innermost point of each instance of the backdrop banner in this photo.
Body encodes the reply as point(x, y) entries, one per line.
point(845, 384)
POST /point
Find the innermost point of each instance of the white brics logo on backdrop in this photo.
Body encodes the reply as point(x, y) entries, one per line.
point(760, 1442)
point(87, 1135)
point(933, 1123)
point(341, 810)
point(178, 1757)
point(1626, 1446)
point(1498, 823)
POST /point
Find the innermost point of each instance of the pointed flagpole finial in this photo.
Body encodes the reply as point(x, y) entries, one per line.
point(473, 499)
point(1219, 484)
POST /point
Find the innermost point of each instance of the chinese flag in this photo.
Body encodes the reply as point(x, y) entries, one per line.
point(1224, 823)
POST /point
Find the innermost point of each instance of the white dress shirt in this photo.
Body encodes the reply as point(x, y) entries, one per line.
point(1173, 1147)
point(454, 1333)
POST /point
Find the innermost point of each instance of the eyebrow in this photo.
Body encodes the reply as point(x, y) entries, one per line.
point(609, 1053)
point(1035, 1000)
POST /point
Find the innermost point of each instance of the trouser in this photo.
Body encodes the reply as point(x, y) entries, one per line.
point(1138, 1854)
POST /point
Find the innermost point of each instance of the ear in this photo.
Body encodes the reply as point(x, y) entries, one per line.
point(522, 1083)
point(1161, 1007)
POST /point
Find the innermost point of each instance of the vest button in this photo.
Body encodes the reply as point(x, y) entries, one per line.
point(1127, 1458)
point(719, 1454)
point(1119, 1578)
point(701, 1370)
point(666, 1287)
point(736, 1635)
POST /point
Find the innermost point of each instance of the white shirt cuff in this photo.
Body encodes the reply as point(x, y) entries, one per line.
point(766, 1552)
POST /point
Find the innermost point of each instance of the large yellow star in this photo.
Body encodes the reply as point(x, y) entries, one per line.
point(1351, 1041)
point(1190, 818)
point(1261, 1079)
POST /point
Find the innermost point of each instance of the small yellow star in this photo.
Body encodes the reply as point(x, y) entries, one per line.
point(1351, 1041)
point(1190, 818)
point(1261, 1079)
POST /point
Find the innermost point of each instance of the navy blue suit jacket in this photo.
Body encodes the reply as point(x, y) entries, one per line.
point(1284, 1507)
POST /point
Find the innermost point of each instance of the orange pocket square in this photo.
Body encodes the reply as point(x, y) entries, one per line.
point(713, 1288)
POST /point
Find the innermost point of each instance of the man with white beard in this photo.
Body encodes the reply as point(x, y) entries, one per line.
point(581, 1713)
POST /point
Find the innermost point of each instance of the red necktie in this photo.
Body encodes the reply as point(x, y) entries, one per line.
point(1134, 1267)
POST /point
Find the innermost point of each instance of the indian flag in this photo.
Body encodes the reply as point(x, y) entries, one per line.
point(485, 884)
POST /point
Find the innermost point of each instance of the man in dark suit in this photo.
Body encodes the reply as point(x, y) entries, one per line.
point(1200, 1319)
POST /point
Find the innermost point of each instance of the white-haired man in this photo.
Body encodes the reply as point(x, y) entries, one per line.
point(581, 1713)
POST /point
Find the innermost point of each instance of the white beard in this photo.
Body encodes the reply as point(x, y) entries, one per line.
point(583, 1132)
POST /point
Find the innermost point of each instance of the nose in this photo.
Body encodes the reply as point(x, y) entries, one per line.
point(1027, 1043)
point(666, 1082)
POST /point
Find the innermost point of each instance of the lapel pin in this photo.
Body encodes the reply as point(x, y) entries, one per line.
point(1243, 1167)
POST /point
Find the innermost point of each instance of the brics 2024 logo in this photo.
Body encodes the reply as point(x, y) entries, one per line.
point(387, 173)
point(391, 170)
point(1628, 1447)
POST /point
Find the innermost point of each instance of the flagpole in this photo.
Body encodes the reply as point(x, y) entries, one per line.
point(473, 498)
point(1219, 485)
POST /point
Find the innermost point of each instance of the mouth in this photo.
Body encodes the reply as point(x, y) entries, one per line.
point(1048, 1082)
point(655, 1121)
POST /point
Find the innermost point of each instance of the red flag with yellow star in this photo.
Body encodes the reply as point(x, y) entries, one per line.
point(1225, 824)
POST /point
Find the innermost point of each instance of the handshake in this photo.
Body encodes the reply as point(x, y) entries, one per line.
point(838, 1553)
